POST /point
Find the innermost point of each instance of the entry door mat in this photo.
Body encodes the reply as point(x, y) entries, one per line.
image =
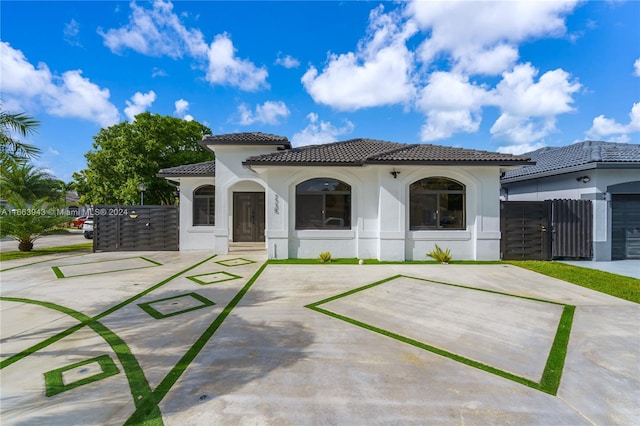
point(521, 339)
point(103, 267)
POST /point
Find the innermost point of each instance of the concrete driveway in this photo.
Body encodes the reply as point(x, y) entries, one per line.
point(186, 338)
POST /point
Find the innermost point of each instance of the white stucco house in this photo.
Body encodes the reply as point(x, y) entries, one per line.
point(359, 198)
point(606, 173)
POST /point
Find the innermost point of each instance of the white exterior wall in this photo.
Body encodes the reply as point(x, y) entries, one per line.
point(566, 186)
point(194, 237)
point(380, 220)
point(379, 217)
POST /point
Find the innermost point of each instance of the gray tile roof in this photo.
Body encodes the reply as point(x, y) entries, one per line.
point(583, 154)
point(207, 168)
point(357, 152)
point(246, 138)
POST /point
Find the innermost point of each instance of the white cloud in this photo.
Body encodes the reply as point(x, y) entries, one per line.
point(614, 131)
point(378, 73)
point(160, 32)
point(482, 37)
point(155, 32)
point(451, 104)
point(71, 31)
point(529, 108)
point(158, 72)
point(139, 103)
point(287, 61)
point(636, 68)
point(269, 112)
point(181, 106)
point(53, 151)
point(181, 109)
point(225, 68)
point(521, 148)
point(319, 132)
point(66, 95)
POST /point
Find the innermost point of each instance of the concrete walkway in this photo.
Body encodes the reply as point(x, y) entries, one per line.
point(185, 339)
point(628, 268)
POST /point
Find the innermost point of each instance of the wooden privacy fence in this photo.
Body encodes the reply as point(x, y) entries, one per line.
point(542, 230)
point(135, 228)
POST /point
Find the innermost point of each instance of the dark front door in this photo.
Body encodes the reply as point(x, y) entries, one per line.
point(248, 216)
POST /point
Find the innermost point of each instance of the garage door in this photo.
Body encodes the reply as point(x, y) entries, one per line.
point(625, 226)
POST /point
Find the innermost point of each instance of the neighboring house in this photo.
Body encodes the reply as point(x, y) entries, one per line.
point(604, 172)
point(358, 198)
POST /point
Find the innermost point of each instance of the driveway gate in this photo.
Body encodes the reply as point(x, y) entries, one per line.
point(135, 228)
point(542, 230)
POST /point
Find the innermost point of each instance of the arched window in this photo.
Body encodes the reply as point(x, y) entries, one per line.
point(437, 203)
point(204, 206)
point(323, 203)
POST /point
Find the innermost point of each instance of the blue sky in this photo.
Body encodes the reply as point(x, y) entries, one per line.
point(500, 76)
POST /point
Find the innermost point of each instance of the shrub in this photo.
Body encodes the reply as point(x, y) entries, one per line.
point(439, 255)
point(325, 257)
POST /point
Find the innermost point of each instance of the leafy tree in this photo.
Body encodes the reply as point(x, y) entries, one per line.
point(21, 179)
point(26, 224)
point(23, 125)
point(127, 154)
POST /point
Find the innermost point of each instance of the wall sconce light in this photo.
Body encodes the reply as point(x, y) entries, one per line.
point(583, 179)
point(395, 173)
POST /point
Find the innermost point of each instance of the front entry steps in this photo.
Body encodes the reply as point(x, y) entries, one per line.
point(251, 247)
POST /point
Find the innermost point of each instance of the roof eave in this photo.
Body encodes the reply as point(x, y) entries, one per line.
point(572, 169)
point(500, 163)
point(250, 163)
point(179, 175)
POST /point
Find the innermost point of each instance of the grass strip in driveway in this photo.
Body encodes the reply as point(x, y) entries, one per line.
point(138, 384)
point(148, 410)
point(552, 373)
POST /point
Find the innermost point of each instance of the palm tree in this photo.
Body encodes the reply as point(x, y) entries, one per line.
point(26, 224)
point(21, 124)
point(18, 178)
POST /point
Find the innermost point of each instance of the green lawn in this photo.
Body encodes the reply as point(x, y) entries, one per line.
point(615, 285)
point(11, 255)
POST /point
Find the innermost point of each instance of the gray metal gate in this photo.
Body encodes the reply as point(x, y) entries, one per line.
point(135, 228)
point(572, 225)
point(542, 230)
point(524, 226)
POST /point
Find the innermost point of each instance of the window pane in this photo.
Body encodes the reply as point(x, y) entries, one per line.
point(337, 211)
point(436, 203)
point(322, 185)
point(206, 190)
point(424, 211)
point(451, 211)
point(204, 206)
point(309, 211)
point(323, 203)
point(436, 184)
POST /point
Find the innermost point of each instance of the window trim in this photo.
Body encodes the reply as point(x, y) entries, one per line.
point(438, 192)
point(204, 197)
